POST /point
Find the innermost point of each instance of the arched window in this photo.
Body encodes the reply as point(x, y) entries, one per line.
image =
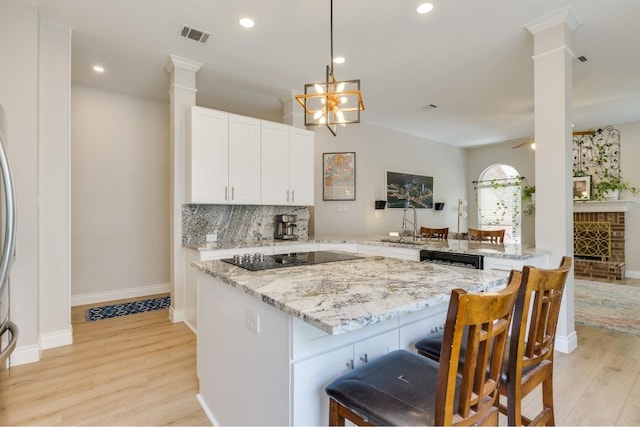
point(499, 194)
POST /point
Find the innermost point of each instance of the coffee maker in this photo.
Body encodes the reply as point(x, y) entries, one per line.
point(285, 227)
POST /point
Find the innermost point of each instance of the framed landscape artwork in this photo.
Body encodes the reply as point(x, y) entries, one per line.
point(582, 187)
point(406, 190)
point(339, 176)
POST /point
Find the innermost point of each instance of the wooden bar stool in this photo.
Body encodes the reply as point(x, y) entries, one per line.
point(404, 388)
point(435, 233)
point(530, 355)
point(492, 236)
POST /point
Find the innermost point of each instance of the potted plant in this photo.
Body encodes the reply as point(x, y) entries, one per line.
point(610, 187)
point(529, 195)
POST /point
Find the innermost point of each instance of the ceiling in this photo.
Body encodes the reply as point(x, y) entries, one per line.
point(470, 58)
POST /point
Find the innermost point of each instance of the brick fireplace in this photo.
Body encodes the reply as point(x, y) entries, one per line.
point(599, 238)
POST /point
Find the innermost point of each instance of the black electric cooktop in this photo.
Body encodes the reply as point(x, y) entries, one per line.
point(258, 262)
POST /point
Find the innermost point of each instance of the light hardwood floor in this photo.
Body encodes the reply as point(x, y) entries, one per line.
point(141, 370)
point(133, 370)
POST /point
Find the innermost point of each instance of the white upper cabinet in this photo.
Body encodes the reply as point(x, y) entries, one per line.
point(244, 160)
point(233, 159)
point(206, 156)
point(302, 166)
point(287, 165)
point(222, 158)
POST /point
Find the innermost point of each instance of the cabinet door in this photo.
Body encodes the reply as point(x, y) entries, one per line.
point(275, 164)
point(310, 402)
point(244, 160)
point(206, 157)
point(374, 347)
point(302, 167)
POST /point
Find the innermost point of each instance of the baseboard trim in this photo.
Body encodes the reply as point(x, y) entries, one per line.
point(631, 274)
point(176, 315)
point(140, 291)
point(25, 354)
point(190, 326)
point(56, 339)
point(206, 410)
point(566, 344)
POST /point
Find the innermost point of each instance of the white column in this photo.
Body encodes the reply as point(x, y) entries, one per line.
point(293, 114)
point(54, 185)
point(183, 96)
point(552, 55)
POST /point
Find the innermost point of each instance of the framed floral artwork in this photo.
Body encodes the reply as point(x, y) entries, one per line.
point(339, 176)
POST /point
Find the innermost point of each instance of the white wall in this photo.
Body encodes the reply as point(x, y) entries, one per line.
point(120, 196)
point(379, 150)
point(629, 155)
point(19, 96)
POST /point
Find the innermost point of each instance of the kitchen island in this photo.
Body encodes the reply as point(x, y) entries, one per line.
point(269, 341)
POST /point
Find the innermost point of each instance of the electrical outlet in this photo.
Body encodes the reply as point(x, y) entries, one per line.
point(252, 320)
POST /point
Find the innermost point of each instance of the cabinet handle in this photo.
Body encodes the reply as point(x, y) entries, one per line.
point(293, 196)
point(350, 364)
point(287, 196)
point(365, 358)
point(233, 193)
point(226, 193)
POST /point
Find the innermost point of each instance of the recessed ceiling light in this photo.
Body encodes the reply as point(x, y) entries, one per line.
point(98, 69)
point(424, 8)
point(339, 60)
point(247, 22)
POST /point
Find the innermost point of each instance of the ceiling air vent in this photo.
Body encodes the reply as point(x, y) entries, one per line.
point(193, 34)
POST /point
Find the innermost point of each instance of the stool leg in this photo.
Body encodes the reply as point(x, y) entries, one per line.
point(335, 419)
point(547, 400)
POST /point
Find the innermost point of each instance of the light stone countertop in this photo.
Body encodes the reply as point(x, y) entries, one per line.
point(504, 251)
point(343, 296)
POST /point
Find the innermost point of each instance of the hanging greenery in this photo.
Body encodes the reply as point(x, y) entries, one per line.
point(598, 155)
point(506, 201)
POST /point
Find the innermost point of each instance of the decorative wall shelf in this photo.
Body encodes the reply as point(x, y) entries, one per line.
point(603, 206)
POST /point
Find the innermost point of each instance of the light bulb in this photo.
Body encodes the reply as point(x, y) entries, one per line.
point(340, 87)
point(319, 88)
point(343, 100)
point(318, 114)
point(340, 116)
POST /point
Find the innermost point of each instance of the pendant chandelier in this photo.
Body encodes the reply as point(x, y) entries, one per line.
point(331, 103)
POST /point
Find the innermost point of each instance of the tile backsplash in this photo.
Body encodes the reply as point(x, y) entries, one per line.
point(234, 223)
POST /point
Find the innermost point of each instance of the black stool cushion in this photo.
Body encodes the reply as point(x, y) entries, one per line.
point(398, 388)
point(430, 345)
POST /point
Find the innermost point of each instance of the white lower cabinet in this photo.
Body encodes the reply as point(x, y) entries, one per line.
point(310, 402)
point(311, 376)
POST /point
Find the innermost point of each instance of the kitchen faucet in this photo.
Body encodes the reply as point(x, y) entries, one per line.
point(414, 223)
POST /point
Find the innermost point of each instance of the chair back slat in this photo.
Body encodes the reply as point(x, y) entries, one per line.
point(491, 236)
point(435, 233)
point(476, 384)
point(532, 342)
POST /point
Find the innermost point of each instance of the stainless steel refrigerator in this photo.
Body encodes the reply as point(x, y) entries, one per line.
point(8, 329)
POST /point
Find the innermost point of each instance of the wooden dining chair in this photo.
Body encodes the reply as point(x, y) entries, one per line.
point(530, 355)
point(492, 236)
point(435, 233)
point(404, 388)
